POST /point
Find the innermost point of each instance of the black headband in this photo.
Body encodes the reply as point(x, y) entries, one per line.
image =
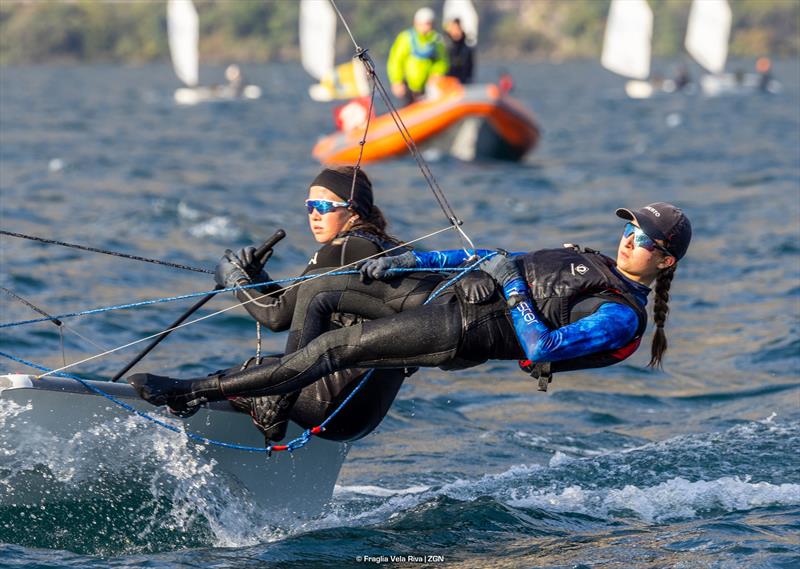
point(341, 184)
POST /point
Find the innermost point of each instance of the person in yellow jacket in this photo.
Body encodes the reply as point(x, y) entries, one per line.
point(417, 54)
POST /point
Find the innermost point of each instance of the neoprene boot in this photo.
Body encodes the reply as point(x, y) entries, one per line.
point(182, 396)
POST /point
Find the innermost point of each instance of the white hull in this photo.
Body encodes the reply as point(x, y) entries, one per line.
point(723, 84)
point(195, 95)
point(639, 89)
point(60, 414)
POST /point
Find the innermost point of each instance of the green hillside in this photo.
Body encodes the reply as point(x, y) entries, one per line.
point(264, 30)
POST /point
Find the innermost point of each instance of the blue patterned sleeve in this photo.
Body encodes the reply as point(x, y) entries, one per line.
point(449, 258)
point(610, 327)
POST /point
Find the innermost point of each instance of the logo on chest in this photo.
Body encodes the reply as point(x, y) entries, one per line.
point(580, 269)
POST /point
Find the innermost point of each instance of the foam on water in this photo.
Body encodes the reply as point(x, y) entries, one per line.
point(150, 484)
point(595, 485)
point(676, 499)
point(378, 491)
point(217, 226)
point(155, 485)
point(126, 169)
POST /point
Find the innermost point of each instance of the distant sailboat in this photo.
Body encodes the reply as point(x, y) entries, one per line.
point(318, 55)
point(183, 32)
point(626, 45)
point(707, 35)
point(707, 39)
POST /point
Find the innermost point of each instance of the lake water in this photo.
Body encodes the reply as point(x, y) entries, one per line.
point(693, 466)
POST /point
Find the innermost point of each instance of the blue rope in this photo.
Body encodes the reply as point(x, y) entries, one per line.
point(199, 294)
point(306, 436)
point(294, 444)
point(135, 411)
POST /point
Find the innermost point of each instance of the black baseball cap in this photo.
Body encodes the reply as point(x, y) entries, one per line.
point(664, 222)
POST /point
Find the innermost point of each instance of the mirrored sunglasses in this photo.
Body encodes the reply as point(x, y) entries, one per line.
point(641, 239)
point(324, 206)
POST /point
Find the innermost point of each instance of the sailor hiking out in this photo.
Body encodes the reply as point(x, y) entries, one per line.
point(555, 310)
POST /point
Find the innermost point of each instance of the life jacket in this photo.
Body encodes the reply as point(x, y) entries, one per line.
point(423, 50)
point(569, 284)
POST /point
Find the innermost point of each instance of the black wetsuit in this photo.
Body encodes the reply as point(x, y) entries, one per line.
point(462, 328)
point(317, 306)
point(576, 292)
point(466, 326)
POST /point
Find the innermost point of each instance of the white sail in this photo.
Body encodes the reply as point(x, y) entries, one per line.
point(317, 37)
point(467, 15)
point(629, 30)
point(182, 26)
point(708, 32)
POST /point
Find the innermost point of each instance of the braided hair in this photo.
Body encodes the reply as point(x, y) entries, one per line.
point(660, 311)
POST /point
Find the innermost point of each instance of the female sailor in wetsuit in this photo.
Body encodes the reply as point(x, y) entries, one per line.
point(344, 219)
point(554, 309)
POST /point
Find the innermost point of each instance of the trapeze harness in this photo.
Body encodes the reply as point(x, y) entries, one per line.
point(567, 285)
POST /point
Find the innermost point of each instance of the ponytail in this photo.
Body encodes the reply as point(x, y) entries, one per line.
point(375, 224)
point(660, 311)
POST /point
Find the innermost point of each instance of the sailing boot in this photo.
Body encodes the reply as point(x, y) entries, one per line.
point(183, 397)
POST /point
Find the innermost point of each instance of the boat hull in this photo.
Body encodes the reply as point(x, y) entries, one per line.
point(497, 127)
point(220, 94)
point(56, 411)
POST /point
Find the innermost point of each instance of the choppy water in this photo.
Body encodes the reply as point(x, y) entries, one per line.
point(695, 466)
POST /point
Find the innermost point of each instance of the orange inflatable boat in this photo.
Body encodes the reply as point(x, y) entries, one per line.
point(470, 122)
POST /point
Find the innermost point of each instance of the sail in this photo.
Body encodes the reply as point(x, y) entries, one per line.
point(317, 37)
point(708, 32)
point(467, 15)
point(182, 27)
point(629, 30)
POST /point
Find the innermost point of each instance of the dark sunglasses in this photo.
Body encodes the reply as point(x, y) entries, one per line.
point(641, 239)
point(324, 206)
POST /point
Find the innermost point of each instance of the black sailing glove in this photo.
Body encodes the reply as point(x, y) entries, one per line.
point(379, 268)
point(501, 268)
point(252, 265)
point(240, 269)
point(230, 271)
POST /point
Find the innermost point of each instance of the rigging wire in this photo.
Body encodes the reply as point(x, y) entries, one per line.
point(106, 252)
point(425, 169)
point(362, 143)
point(200, 319)
point(292, 445)
point(60, 324)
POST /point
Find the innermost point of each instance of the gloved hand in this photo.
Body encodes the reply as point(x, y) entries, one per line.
point(501, 268)
point(379, 268)
point(230, 271)
point(253, 266)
